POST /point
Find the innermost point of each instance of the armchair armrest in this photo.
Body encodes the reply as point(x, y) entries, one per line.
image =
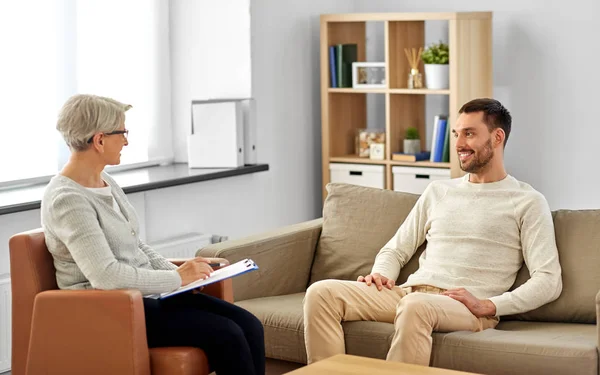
point(75, 332)
point(284, 257)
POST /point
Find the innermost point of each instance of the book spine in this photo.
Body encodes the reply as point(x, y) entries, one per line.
point(441, 135)
point(436, 121)
point(446, 152)
point(339, 62)
point(332, 66)
point(349, 55)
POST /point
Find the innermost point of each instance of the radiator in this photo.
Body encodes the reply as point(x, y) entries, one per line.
point(5, 324)
point(184, 246)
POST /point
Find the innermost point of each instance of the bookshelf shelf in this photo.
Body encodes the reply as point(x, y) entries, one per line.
point(427, 164)
point(344, 110)
point(358, 91)
point(356, 160)
point(390, 91)
point(419, 92)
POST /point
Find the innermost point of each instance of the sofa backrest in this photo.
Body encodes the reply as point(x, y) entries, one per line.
point(578, 241)
point(358, 221)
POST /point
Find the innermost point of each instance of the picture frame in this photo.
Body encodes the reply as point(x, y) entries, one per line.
point(368, 75)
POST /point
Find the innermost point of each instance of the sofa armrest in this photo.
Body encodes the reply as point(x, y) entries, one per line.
point(598, 319)
point(77, 331)
point(284, 257)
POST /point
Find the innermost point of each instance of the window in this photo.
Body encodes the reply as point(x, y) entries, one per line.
point(115, 48)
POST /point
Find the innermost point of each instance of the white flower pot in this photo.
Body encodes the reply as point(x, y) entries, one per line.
point(437, 76)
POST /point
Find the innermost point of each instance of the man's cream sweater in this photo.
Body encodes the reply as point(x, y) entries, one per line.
point(95, 247)
point(478, 236)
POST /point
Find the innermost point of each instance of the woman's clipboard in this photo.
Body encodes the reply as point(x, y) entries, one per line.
point(227, 272)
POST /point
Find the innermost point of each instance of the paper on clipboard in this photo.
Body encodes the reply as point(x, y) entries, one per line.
point(232, 270)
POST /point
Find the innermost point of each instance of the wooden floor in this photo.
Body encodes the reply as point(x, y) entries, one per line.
point(274, 367)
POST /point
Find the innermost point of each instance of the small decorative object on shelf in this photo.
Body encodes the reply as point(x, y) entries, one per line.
point(415, 79)
point(368, 75)
point(412, 142)
point(377, 151)
point(365, 138)
point(436, 58)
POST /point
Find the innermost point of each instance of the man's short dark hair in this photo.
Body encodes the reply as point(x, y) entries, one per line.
point(495, 115)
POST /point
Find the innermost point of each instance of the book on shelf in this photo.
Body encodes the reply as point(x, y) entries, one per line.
point(438, 142)
point(345, 55)
point(446, 151)
point(332, 66)
point(400, 156)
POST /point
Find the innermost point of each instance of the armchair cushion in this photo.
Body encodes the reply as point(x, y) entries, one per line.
point(357, 222)
point(179, 360)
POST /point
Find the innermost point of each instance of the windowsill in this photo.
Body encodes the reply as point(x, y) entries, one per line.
point(132, 181)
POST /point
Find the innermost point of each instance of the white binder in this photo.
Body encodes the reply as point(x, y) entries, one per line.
point(249, 106)
point(217, 139)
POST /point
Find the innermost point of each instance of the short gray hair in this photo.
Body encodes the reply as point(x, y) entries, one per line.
point(82, 116)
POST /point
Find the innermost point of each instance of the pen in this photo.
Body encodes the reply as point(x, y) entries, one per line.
point(213, 265)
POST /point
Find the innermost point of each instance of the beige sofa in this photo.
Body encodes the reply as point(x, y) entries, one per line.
point(558, 338)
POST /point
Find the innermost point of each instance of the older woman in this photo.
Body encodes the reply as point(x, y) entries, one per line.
point(91, 230)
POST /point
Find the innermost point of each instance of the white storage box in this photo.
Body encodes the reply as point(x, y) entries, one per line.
point(415, 180)
point(358, 174)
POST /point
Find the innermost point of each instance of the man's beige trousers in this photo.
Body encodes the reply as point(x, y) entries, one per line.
point(415, 311)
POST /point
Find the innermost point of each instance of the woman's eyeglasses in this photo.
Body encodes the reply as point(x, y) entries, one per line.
point(124, 132)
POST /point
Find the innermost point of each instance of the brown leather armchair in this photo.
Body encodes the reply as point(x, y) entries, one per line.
point(85, 331)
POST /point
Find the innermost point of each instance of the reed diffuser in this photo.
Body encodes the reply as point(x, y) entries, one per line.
point(415, 79)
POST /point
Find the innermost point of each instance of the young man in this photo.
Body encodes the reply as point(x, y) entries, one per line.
point(479, 229)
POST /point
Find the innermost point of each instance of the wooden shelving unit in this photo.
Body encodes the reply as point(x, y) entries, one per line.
point(345, 109)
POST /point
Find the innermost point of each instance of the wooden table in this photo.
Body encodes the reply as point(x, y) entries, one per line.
point(344, 364)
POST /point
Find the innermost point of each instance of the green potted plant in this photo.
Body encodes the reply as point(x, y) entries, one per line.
point(412, 142)
point(436, 58)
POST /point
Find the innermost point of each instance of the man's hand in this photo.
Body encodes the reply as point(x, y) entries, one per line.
point(380, 281)
point(479, 307)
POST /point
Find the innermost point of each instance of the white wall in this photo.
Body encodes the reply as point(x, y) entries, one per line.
point(545, 74)
point(9, 225)
point(210, 57)
point(286, 85)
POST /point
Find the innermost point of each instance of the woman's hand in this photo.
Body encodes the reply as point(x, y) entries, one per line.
point(194, 269)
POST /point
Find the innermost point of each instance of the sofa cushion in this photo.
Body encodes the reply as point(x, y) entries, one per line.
point(357, 222)
point(513, 347)
point(282, 319)
point(520, 348)
point(578, 241)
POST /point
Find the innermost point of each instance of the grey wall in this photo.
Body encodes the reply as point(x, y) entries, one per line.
point(286, 85)
point(545, 74)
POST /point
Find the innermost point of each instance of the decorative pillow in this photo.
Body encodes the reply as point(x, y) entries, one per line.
point(357, 222)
